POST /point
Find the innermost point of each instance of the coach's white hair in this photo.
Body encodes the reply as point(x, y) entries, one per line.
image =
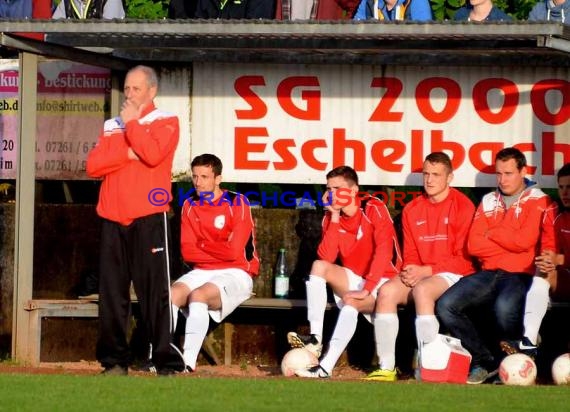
point(150, 73)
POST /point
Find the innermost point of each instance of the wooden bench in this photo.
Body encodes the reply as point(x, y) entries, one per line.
point(88, 307)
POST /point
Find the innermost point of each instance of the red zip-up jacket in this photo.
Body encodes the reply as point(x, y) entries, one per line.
point(508, 239)
point(435, 234)
point(219, 234)
point(135, 188)
point(365, 242)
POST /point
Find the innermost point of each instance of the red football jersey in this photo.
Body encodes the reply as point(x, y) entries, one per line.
point(366, 243)
point(435, 234)
point(219, 234)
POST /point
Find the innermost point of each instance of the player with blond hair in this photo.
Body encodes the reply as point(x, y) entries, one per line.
point(435, 229)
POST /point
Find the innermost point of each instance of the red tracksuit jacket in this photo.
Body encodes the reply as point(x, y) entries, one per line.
point(126, 191)
point(508, 239)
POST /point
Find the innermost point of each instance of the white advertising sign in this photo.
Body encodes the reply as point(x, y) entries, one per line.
point(293, 123)
point(73, 101)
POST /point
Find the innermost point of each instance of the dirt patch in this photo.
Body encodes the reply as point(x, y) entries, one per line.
point(93, 368)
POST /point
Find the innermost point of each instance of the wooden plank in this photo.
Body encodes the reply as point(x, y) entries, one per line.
point(259, 303)
point(77, 304)
point(274, 303)
point(269, 303)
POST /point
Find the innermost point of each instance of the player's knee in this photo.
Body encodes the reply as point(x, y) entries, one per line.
point(179, 294)
point(421, 291)
point(319, 268)
point(198, 295)
point(351, 302)
point(388, 292)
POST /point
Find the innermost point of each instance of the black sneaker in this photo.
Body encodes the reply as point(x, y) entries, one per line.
point(528, 348)
point(309, 342)
point(524, 346)
point(116, 370)
point(172, 371)
point(313, 372)
point(166, 372)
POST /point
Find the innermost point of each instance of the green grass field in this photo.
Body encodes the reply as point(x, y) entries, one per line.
point(22, 392)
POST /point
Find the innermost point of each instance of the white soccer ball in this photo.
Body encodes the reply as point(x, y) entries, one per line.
point(518, 369)
point(297, 358)
point(561, 370)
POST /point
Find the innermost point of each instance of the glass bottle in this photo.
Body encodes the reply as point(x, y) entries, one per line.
point(281, 275)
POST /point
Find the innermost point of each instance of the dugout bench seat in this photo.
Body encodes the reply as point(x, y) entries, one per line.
point(88, 307)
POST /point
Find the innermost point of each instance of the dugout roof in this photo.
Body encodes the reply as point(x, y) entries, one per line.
point(120, 43)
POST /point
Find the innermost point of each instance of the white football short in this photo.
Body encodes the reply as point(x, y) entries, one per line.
point(450, 278)
point(235, 286)
point(356, 282)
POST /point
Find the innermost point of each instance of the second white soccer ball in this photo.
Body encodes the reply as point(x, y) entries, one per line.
point(518, 369)
point(561, 370)
point(297, 358)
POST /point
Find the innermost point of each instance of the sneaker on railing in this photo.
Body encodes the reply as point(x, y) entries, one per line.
point(309, 342)
point(382, 375)
point(313, 372)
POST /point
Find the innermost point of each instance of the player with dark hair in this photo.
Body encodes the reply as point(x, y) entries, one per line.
point(362, 236)
point(217, 239)
point(504, 237)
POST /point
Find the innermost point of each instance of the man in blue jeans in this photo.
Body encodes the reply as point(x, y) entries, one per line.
point(503, 237)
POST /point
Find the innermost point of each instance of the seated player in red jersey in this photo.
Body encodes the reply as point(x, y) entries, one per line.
point(435, 228)
point(362, 236)
point(218, 240)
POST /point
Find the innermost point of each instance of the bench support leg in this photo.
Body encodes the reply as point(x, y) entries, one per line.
point(228, 335)
point(34, 337)
point(210, 352)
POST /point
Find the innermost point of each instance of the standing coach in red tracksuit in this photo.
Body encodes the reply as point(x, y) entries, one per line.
point(134, 157)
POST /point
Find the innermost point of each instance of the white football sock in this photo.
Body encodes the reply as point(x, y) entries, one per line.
point(316, 304)
point(174, 310)
point(427, 328)
point(537, 299)
point(386, 326)
point(343, 332)
point(196, 329)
